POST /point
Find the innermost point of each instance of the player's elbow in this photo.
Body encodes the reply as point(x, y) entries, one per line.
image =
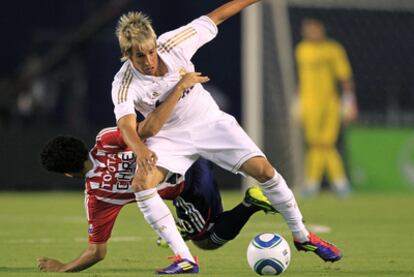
point(146, 133)
point(97, 253)
point(127, 122)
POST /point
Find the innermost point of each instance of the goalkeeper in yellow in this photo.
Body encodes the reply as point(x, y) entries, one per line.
point(323, 70)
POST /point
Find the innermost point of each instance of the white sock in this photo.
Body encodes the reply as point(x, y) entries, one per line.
point(283, 200)
point(158, 215)
point(341, 184)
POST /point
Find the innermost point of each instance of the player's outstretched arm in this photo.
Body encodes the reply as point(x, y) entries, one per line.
point(229, 9)
point(154, 122)
point(89, 257)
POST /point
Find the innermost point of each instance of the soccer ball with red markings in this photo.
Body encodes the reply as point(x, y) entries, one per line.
point(268, 254)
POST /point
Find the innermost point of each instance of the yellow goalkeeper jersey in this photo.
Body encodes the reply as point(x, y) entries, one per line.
point(320, 66)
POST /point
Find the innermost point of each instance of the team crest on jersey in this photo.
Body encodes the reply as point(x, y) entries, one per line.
point(182, 72)
point(90, 230)
point(155, 95)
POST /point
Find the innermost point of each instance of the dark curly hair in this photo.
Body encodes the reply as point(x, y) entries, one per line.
point(64, 154)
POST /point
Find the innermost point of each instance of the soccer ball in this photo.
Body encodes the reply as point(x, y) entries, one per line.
point(268, 254)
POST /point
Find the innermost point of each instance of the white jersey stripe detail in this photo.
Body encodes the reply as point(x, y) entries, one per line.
point(217, 239)
point(111, 146)
point(178, 38)
point(195, 216)
point(169, 47)
point(94, 185)
point(123, 89)
point(106, 130)
point(129, 190)
point(86, 202)
point(115, 201)
point(123, 84)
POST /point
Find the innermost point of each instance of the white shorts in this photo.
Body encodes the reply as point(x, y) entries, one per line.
point(219, 139)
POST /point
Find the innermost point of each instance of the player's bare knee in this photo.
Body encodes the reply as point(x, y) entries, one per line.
point(143, 182)
point(138, 187)
point(268, 172)
point(259, 168)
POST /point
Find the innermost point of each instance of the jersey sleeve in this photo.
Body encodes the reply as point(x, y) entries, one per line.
point(123, 109)
point(123, 94)
point(342, 67)
point(188, 39)
point(110, 139)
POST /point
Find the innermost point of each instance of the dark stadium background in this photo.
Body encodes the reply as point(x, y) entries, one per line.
point(32, 29)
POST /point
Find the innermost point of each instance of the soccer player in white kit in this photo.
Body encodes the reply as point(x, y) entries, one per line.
point(197, 127)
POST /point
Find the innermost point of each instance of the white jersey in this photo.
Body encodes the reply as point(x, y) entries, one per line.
point(133, 91)
point(197, 127)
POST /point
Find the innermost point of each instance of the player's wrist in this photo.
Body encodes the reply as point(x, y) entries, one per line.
point(61, 267)
point(348, 96)
point(180, 88)
point(139, 148)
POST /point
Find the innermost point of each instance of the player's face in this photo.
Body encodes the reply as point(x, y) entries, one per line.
point(145, 60)
point(313, 30)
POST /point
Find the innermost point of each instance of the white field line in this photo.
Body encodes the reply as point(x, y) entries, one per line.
point(319, 229)
point(4, 219)
point(117, 239)
point(79, 239)
point(263, 227)
point(281, 229)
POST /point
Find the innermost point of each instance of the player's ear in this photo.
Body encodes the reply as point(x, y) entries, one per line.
point(126, 55)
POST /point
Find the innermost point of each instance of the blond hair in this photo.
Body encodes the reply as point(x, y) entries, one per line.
point(134, 30)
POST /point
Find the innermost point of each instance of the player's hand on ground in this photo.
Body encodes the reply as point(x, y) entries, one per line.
point(146, 159)
point(190, 79)
point(49, 265)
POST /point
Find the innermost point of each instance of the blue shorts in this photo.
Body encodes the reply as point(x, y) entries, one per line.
point(200, 203)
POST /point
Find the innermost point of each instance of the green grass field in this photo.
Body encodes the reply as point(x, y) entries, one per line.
point(375, 233)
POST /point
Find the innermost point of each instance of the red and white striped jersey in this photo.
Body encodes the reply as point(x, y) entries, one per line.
point(113, 169)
